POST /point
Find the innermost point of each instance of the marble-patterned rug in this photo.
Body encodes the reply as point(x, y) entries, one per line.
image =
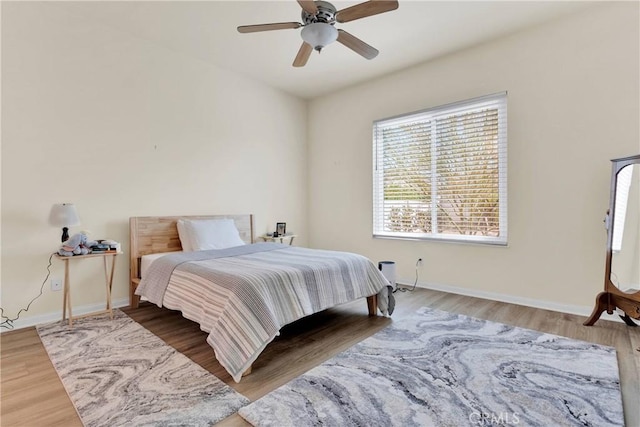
point(442, 369)
point(117, 373)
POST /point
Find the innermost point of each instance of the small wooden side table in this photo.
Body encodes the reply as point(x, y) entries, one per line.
point(108, 276)
point(281, 238)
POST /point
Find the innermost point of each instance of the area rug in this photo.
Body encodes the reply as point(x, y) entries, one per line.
point(442, 369)
point(119, 374)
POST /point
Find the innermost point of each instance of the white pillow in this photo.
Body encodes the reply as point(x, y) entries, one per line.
point(212, 234)
point(183, 233)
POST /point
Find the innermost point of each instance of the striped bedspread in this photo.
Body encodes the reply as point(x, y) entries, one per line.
point(243, 299)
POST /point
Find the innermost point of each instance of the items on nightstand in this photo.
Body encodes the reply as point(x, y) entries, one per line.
point(279, 235)
point(106, 246)
point(78, 244)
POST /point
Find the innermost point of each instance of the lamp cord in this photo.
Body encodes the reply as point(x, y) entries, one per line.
point(7, 323)
point(415, 282)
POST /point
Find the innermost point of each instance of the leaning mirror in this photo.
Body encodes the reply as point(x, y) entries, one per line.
point(625, 250)
point(622, 262)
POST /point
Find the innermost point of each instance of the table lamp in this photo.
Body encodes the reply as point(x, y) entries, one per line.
point(64, 215)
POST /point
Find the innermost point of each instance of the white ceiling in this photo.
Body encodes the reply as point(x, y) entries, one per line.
point(414, 33)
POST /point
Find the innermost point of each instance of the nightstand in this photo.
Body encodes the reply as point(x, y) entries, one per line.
point(108, 275)
point(280, 239)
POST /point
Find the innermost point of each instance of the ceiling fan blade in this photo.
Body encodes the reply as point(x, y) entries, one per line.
point(357, 45)
point(268, 27)
point(368, 8)
point(309, 6)
point(303, 55)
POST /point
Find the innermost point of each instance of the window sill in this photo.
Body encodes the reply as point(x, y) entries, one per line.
point(474, 241)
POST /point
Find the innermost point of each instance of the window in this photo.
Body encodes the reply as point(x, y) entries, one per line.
point(442, 173)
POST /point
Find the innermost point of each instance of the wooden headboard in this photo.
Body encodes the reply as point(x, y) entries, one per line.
point(158, 234)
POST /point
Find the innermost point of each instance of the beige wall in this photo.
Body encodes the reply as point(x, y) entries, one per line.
point(124, 127)
point(573, 104)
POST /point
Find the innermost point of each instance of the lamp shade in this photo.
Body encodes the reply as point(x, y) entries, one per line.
point(64, 215)
point(319, 34)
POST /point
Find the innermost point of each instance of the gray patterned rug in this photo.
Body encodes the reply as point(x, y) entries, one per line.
point(443, 369)
point(119, 374)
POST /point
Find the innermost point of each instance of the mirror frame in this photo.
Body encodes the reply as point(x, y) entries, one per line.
point(612, 297)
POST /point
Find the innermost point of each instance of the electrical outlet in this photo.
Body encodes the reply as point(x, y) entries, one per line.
point(419, 262)
point(56, 284)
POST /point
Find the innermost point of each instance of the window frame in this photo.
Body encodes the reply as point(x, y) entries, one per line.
point(499, 100)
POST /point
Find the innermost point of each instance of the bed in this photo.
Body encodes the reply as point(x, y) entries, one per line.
point(243, 295)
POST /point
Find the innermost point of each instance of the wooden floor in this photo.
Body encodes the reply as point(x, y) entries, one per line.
point(33, 395)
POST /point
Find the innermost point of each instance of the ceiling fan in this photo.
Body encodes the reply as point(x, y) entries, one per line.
point(318, 19)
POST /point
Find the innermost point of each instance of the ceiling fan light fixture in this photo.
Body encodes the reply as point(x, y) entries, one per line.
point(319, 35)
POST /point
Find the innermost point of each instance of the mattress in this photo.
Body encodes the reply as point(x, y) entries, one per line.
point(146, 260)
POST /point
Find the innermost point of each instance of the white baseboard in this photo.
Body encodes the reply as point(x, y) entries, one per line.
point(57, 315)
point(527, 302)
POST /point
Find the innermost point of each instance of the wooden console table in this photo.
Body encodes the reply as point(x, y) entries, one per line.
point(108, 276)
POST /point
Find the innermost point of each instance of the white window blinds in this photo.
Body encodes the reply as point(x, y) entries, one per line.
point(442, 173)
